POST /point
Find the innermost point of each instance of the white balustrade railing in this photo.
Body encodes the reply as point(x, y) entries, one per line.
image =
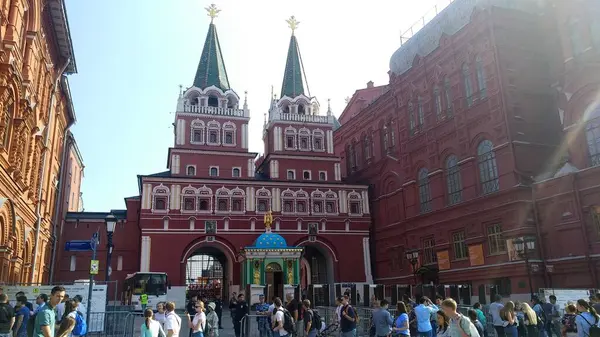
point(292, 117)
point(210, 110)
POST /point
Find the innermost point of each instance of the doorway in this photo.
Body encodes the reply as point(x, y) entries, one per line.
point(205, 275)
point(274, 280)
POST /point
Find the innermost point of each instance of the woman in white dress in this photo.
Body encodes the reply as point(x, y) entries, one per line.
point(199, 322)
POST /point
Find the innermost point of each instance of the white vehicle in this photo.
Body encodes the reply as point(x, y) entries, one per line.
point(154, 285)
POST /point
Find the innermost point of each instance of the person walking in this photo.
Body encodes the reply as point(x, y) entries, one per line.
point(423, 312)
point(151, 327)
point(279, 319)
point(294, 309)
point(529, 320)
point(241, 310)
point(382, 320)
point(7, 317)
point(219, 309)
point(443, 322)
point(232, 305)
point(587, 318)
point(172, 321)
point(401, 327)
point(495, 312)
point(69, 320)
point(459, 326)
point(310, 329)
point(45, 320)
point(198, 323)
point(349, 319)
point(212, 320)
point(262, 319)
point(22, 317)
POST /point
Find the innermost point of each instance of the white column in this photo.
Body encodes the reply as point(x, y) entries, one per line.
point(249, 198)
point(244, 136)
point(337, 170)
point(226, 224)
point(329, 141)
point(166, 224)
point(252, 225)
point(343, 204)
point(145, 258)
point(365, 201)
point(367, 261)
point(173, 198)
point(147, 196)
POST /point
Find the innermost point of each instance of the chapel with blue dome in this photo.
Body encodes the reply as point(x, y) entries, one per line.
point(270, 262)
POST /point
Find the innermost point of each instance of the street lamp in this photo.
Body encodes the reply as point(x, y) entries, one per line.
point(523, 246)
point(413, 257)
point(111, 224)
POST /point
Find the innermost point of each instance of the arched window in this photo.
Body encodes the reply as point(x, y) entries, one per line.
point(288, 201)
point(304, 139)
point(468, 86)
point(223, 197)
point(197, 132)
point(574, 28)
point(290, 138)
point(318, 140)
point(188, 199)
point(421, 115)
point(238, 198)
point(355, 204)
point(488, 170)
point(214, 129)
point(448, 97)
point(392, 135)
point(352, 156)
point(437, 101)
point(386, 140)
point(214, 171)
point(331, 202)
point(592, 134)
point(453, 180)
point(229, 134)
point(318, 202)
point(235, 172)
point(213, 101)
point(191, 170)
point(481, 80)
point(160, 199)
point(301, 109)
point(424, 191)
point(263, 200)
point(301, 202)
point(411, 117)
point(366, 147)
point(205, 199)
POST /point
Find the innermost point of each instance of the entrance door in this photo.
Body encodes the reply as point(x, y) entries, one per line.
point(274, 278)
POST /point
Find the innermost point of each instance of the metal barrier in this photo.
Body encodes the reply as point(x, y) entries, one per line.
point(249, 326)
point(114, 324)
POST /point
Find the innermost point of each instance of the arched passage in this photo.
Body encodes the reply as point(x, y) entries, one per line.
point(317, 267)
point(207, 269)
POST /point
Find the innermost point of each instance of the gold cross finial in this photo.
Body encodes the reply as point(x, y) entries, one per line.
point(213, 12)
point(292, 23)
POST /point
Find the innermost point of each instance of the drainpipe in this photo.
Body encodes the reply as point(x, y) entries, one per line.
point(583, 230)
point(59, 204)
point(38, 208)
point(538, 233)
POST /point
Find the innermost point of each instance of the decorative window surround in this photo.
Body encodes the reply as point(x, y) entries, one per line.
point(223, 201)
point(212, 170)
point(317, 202)
point(290, 136)
point(197, 132)
point(331, 203)
point(322, 175)
point(213, 128)
point(239, 172)
point(305, 176)
point(161, 196)
point(230, 129)
point(205, 194)
point(238, 201)
point(190, 170)
point(291, 175)
point(354, 204)
point(263, 201)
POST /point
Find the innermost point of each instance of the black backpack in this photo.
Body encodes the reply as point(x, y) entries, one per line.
point(4, 315)
point(288, 322)
point(317, 322)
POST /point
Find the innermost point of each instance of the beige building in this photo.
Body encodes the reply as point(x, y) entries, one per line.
point(35, 114)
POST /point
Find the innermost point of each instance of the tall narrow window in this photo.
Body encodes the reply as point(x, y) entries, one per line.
point(386, 140)
point(421, 116)
point(120, 263)
point(191, 170)
point(592, 134)
point(235, 172)
point(437, 100)
point(73, 263)
point(367, 147)
point(392, 135)
point(453, 180)
point(411, 117)
point(481, 81)
point(496, 240)
point(468, 86)
point(459, 245)
point(448, 97)
point(488, 170)
point(575, 36)
point(424, 191)
point(429, 254)
point(214, 172)
point(352, 157)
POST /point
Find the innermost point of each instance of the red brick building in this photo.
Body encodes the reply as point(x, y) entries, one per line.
point(464, 150)
point(211, 201)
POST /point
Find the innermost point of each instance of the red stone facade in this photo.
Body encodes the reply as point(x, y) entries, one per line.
point(457, 150)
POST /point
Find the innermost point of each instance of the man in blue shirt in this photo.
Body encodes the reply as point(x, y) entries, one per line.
point(495, 312)
point(423, 312)
point(262, 311)
point(348, 319)
point(382, 320)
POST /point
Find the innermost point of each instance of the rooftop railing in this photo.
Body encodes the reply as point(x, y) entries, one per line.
point(293, 117)
point(210, 110)
point(424, 20)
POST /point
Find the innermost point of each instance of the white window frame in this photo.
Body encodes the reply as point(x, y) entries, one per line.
point(213, 126)
point(290, 132)
point(197, 125)
point(304, 133)
point(195, 170)
point(287, 174)
point(229, 127)
point(233, 169)
point(309, 175)
point(325, 172)
point(318, 134)
point(210, 171)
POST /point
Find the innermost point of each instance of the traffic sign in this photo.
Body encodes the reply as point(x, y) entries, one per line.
point(94, 241)
point(94, 267)
point(78, 246)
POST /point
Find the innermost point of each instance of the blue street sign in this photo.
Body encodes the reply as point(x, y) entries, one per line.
point(78, 246)
point(94, 241)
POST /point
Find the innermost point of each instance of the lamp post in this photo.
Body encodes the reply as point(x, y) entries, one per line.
point(111, 224)
point(413, 257)
point(523, 246)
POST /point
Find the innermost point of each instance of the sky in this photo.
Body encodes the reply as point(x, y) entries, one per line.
point(132, 55)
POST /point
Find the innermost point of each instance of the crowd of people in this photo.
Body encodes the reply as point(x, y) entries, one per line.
point(441, 318)
point(54, 315)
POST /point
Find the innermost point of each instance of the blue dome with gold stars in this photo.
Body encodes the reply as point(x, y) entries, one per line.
point(270, 240)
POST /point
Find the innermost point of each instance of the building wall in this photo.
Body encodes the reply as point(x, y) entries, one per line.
point(29, 65)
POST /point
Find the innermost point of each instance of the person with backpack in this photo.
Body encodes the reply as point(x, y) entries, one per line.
point(73, 323)
point(283, 323)
point(587, 320)
point(460, 326)
point(542, 317)
point(7, 317)
point(569, 327)
point(312, 320)
point(349, 319)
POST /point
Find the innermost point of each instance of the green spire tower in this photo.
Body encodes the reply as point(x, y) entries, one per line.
point(211, 69)
point(293, 84)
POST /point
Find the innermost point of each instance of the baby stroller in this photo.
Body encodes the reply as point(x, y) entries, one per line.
point(329, 330)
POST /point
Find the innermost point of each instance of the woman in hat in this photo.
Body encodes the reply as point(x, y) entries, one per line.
point(212, 321)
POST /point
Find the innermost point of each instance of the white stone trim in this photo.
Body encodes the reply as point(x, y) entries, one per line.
point(319, 134)
point(229, 127)
point(197, 124)
point(244, 136)
point(161, 191)
point(337, 170)
point(238, 168)
point(145, 254)
point(309, 174)
point(354, 197)
point(287, 174)
point(187, 167)
point(304, 133)
point(330, 141)
point(213, 126)
point(210, 168)
point(290, 132)
point(250, 168)
point(367, 261)
point(263, 194)
point(325, 173)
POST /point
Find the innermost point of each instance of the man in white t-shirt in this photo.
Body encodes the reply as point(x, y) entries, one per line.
point(172, 321)
point(338, 310)
point(278, 318)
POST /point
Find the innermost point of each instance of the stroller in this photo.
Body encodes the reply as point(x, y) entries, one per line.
point(330, 330)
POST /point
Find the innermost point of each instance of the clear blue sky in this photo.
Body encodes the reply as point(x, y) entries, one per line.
point(132, 55)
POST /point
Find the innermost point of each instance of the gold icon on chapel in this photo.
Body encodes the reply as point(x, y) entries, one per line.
point(268, 219)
